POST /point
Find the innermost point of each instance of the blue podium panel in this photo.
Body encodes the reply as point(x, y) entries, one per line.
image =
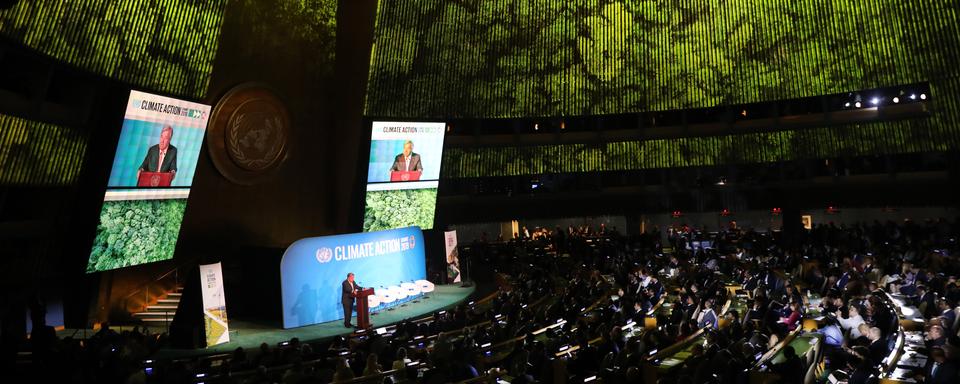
point(313, 269)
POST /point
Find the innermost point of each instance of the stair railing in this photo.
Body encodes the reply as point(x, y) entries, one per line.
point(145, 287)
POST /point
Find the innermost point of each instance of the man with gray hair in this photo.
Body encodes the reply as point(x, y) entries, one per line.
point(407, 161)
point(161, 157)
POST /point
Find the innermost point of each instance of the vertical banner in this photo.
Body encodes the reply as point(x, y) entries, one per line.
point(453, 260)
point(214, 305)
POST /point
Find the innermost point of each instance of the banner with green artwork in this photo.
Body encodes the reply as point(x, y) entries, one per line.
point(214, 305)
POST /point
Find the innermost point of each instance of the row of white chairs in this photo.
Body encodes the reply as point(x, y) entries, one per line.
point(397, 293)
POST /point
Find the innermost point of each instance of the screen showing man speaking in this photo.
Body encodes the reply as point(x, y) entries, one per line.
point(149, 181)
point(403, 174)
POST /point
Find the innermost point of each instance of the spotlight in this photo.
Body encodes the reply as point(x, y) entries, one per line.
point(896, 100)
point(875, 101)
point(923, 96)
point(536, 126)
point(857, 104)
point(563, 124)
point(846, 105)
point(913, 96)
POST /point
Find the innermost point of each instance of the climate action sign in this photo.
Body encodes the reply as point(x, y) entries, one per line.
point(313, 269)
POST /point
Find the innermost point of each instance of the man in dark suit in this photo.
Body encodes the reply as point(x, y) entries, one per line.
point(349, 291)
point(161, 157)
point(407, 161)
point(939, 370)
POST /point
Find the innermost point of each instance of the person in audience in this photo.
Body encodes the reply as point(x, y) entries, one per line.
point(791, 321)
point(935, 337)
point(860, 370)
point(791, 369)
point(401, 361)
point(852, 322)
point(947, 313)
point(343, 372)
point(939, 370)
point(707, 317)
point(373, 366)
point(832, 334)
point(879, 348)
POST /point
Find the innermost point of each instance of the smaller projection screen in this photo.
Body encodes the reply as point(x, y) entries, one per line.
point(149, 182)
point(403, 174)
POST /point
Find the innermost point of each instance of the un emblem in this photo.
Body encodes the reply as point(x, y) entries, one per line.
point(248, 133)
point(324, 255)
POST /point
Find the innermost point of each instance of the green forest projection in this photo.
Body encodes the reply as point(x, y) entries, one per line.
point(515, 58)
point(165, 45)
point(521, 58)
point(133, 232)
point(300, 31)
point(399, 208)
point(33, 153)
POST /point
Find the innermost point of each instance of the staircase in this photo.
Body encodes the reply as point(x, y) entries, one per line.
point(160, 315)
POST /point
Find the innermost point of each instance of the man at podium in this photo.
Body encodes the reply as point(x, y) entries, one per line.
point(161, 158)
point(407, 161)
point(349, 289)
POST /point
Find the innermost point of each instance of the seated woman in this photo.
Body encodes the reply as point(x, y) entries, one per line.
point(793, 320)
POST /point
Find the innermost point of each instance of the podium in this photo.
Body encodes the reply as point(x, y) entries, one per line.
point(155, 179)
point(405, 175)
point(363, 310)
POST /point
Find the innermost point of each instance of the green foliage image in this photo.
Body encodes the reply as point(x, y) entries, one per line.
point(133, 232)
point(399, 208)
point(514, 58)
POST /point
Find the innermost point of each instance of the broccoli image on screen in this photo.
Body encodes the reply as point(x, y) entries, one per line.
point(133, 232)
point(399, 208)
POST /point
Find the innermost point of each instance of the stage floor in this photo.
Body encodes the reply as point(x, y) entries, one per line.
point(249, 335)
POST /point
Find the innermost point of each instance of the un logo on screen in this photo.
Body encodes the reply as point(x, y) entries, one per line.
point(324, 255)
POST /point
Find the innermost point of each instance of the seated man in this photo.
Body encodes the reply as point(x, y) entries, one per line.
point(791, 369)
point(833, 336)
point(939, 370)
point(935, 337)
point(879, 348)
point(707, 317)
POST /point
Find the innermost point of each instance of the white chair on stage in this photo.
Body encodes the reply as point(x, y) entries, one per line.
point(373, 301)
point(412, 290)
point(425, 286)
point(386, 296)
point(399, 293)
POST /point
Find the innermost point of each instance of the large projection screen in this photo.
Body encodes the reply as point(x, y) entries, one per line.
point(149, 181)
point(403, 174)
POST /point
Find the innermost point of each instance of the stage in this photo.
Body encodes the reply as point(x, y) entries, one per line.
point(249, 335)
